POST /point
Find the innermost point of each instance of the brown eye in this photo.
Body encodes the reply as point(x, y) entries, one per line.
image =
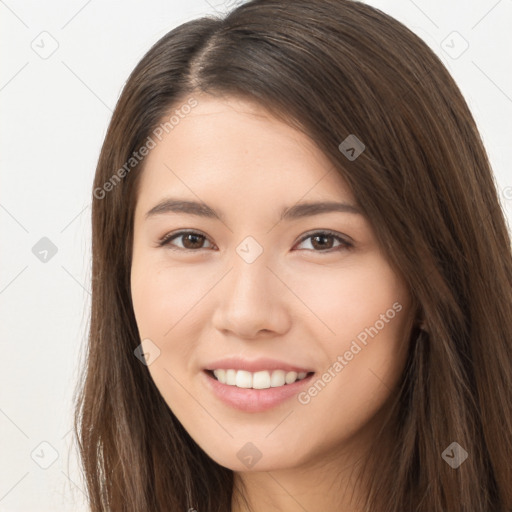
point(323, 241)
point(193, 241)
point(190, 240)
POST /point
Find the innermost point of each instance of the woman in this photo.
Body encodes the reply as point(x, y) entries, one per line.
point(301, 293)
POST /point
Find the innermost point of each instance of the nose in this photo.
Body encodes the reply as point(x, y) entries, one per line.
point(251, 301)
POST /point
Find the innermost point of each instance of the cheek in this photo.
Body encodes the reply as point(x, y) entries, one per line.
point(346, 301)
point(170, 307)
point(154, 305)
point(367, 311)
point(164, 297)
point(163, 307)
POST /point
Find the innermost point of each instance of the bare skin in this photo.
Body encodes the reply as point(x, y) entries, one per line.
point(302, 300)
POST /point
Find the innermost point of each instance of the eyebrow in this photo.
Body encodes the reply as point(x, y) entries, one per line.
point(171, 205)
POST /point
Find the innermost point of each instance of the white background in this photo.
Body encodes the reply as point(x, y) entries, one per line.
point(55, 113)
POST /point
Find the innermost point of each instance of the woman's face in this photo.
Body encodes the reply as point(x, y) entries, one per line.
point(249, 283)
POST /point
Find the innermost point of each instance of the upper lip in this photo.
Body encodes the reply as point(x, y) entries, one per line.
point(255, 365)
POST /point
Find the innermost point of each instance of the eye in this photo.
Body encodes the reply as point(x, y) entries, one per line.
point(323, 240)
point(191, 240)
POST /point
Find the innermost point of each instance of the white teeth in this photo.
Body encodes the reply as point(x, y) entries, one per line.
point(261, 380)
point(257, 380)
point(230, 377)
point(291, 377)
point(278, 378)
point(243, 379)
point(221, 375)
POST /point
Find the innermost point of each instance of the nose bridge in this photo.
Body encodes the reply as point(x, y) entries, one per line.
point(250, 298)
point(249, 280)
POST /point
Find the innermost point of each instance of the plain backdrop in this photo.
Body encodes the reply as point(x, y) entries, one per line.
point(62, 68)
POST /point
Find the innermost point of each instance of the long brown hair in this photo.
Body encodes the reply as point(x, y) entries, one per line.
point(331, 68)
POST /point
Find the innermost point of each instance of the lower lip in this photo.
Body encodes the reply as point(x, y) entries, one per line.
point(254, 400)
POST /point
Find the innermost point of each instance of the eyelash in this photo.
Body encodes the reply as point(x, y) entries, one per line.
point(344, 244)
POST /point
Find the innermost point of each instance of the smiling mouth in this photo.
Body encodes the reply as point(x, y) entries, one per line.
point(257, 380)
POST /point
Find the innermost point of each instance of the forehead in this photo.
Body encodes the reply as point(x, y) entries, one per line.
point(236, 150)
